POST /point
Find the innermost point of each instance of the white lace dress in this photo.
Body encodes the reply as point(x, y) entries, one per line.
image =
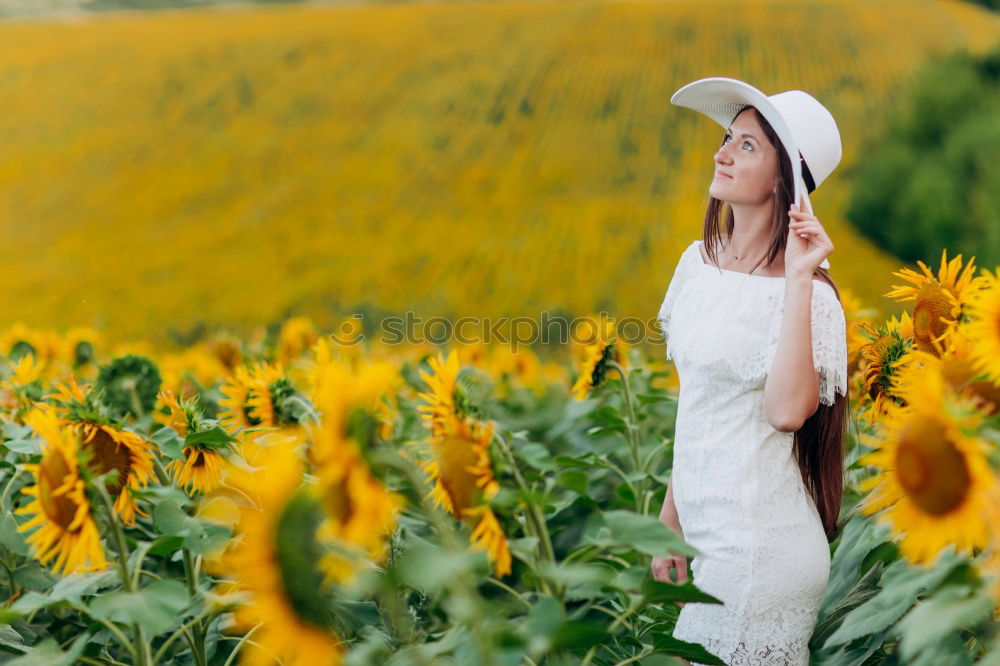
point(737, 487)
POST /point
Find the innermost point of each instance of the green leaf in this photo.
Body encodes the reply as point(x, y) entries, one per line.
point(21, 439)
point(901, 585)
point(544, 629)
point(586, 460)
point(650, 398)
point(655, 591)
point(70, 589)
point(859, 537)
point(524, 548)
point(425, 566)
point(581, 581)
point(951, 609)
point(642, 533)
point(537, 456)
point(168, 442)
point(691, 651)
point(575, 480)
point(10, 537)
point(166, 545)
point(34, 576)
point(10, 638)
point(199, 536)
point(156, 607)
point(48, 653)
point(215, 438)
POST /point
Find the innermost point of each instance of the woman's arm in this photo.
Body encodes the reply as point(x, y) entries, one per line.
point(791, 391)
point(661, 566)
point(668, 513)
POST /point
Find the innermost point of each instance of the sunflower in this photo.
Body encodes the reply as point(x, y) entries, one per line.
point(227, 350)
point(237, 410)
point(352, 400)
point(856, 316)
point(476, 353)
point(445, 407)
point(462, 473)
point(360, 512)
point(262, 397)
point(878, 361)
point(200, 470)
point(275, 563)
point(297, 335)
point(60, 506)
point(22, 386)
point(600, 346)
point(106, 445)
point(18, 340)
point(982, 330)
point(79, 346)
point(202, 466)
point(110, 448)
point(68, 397)
point(957, 364)
point(518, 367)
point(187, 372)
point(933, 481)
point(937, 300)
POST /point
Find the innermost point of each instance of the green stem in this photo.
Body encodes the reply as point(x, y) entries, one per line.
point(509, 589)
point(9, 487)
point(614, 625)
point(180, 631)
point(161, 473)
point(243, 640)
point(609, 464)
point(532, 513)
point(141, 647)
point(190, 576)
point(462, 586)
point(133, 397)
point(118, 633)
point(633, 432)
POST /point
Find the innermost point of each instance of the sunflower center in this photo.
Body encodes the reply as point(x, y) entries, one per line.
point(361, 425)
point(83, 353)
point(248, 411)
point(288, 404)
point(455, 455)
point(927, 313)
point(298, 554)
point(338, 501)
point(51, 474)
point(931, 470)
point(608, 354)
point(107, 455)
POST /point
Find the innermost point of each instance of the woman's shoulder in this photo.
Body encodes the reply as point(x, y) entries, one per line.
point(692, 251)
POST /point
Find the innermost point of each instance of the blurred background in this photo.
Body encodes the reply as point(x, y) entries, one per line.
point(172, 167)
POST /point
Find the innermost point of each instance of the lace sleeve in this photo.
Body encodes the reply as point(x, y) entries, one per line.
point(681, 272)
point(829, 342)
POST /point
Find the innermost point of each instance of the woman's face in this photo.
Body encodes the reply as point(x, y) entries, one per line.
point(746, 167)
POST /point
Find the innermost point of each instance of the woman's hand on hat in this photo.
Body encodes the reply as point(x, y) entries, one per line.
point(807, 244)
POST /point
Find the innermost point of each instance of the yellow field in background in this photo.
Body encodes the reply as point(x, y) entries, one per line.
point(238, 166)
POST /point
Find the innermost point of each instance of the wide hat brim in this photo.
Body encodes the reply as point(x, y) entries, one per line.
point(721, 98)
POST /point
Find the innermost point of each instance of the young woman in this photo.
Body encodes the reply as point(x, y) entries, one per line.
point(756, 330)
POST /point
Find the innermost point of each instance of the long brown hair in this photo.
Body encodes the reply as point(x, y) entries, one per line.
point(818, 444)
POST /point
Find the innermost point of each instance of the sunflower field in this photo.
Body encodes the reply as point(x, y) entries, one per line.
point(286, 500)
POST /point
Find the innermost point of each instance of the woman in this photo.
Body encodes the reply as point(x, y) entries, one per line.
point(758, 336)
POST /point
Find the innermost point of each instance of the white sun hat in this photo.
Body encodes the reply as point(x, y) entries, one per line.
point(805, 127)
